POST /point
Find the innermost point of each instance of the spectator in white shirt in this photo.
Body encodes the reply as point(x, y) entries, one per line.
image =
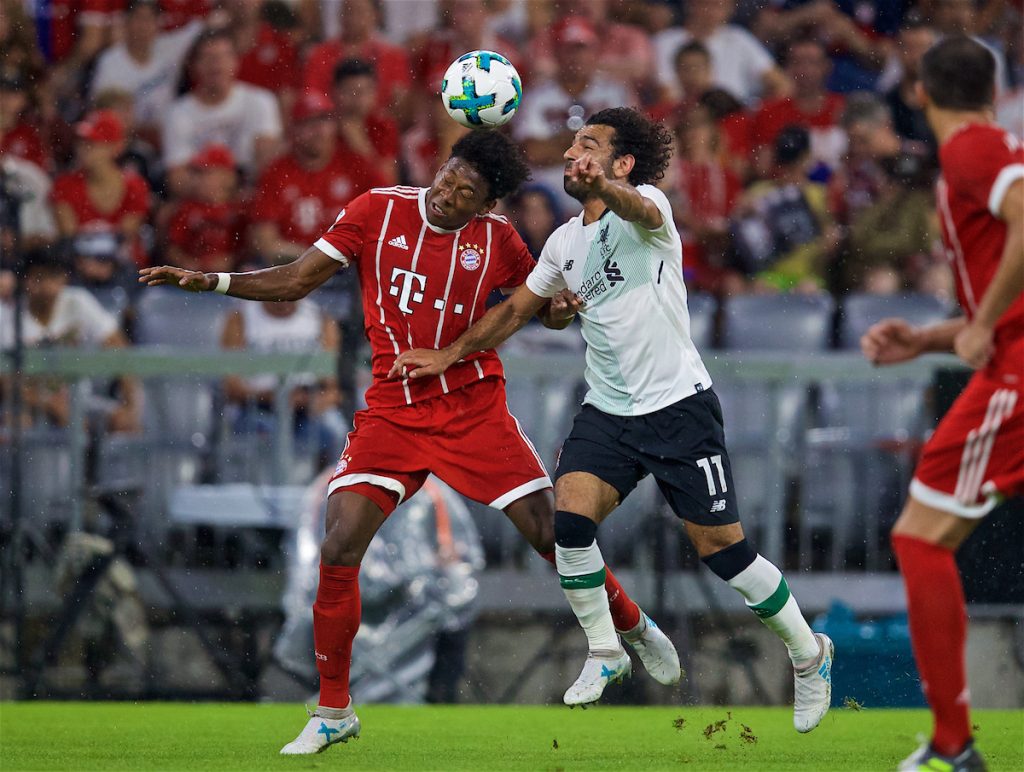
point(220, 110)
point(147, 64)
point(740, 64)
point(555, 109)
point(59, 315)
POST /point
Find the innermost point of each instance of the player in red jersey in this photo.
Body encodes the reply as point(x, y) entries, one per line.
point(427, 260)
point(976, 455)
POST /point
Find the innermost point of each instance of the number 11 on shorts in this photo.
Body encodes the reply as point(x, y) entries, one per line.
point(705, 464)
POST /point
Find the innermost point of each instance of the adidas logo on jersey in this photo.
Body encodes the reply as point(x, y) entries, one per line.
point(398, 241)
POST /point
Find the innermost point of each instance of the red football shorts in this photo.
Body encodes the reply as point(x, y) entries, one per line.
point(468, 438)
point(976, 455)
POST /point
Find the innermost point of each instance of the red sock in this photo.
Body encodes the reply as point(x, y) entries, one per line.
point(336, 615)
point(625, 613)
point(938, 632)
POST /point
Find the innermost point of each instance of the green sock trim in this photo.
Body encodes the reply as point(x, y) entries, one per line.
point(773, 605)
point(583, 581)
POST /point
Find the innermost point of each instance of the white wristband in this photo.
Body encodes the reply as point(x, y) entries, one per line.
point(223, 282)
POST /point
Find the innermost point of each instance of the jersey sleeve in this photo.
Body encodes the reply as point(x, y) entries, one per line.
point(344, 240)
point(983, 170)
point(546, 279)
point(665, 235)
point(515, 259)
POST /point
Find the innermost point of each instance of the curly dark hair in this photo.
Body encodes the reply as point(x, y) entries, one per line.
point(496, 158)
point(649, 142)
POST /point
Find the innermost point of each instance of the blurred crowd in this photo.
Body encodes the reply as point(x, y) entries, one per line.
point(225, 134)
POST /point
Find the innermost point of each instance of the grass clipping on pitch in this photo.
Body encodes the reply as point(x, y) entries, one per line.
point(151, 736)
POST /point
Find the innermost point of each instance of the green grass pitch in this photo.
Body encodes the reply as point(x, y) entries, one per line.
point(150, 736)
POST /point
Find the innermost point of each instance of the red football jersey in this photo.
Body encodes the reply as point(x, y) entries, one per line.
point(72, 189)
point(979, 164)
point(207, 231)
point(23, 141)
point(302, 203)
point(272, 61)
point(391, 62)
point(423, 286)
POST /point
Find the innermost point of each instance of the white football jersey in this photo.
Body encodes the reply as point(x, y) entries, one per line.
point(639, 354)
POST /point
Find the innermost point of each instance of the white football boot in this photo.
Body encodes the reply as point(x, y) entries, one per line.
point(655, 650)
point(320, 732)
point(812, 688)
point(598, 672)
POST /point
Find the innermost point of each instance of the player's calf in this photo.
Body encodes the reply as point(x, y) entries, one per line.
point(767, 594)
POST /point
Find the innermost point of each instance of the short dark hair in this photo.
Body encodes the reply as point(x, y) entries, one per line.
point(353, 68)
point(693, 47)
point(649, 142)
point(51, 260)
point(211, 35)
point(959, 73)
point(496, 158)
point(792, 145)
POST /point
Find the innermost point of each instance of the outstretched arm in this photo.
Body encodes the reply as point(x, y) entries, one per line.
point(621, 197)
point(974, 343)
point(291, 281)
point(496, 326)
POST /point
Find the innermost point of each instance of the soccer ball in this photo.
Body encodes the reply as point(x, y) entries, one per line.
point(481, 89)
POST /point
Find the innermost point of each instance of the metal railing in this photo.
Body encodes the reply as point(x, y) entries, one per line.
point(773, 436)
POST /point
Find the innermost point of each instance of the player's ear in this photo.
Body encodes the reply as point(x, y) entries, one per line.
point(623, 165)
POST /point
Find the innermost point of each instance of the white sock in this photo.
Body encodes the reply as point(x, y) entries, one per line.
point(581, 573)
point(767, 594)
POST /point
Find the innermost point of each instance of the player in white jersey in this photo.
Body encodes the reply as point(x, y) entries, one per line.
point(650, 408)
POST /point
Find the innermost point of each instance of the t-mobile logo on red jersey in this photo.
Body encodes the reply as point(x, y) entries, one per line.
point(411, 289)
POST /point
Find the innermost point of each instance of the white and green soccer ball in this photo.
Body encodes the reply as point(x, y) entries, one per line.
point(481, 89)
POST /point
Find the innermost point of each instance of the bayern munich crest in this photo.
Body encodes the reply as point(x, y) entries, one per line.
point(470, 256)
point(342, 465)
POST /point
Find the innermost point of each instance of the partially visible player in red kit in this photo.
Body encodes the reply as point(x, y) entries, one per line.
point(975, 458)
point(427, 260)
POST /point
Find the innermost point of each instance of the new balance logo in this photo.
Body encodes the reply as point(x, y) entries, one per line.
point(718, 506)
point(398, 241)
point(567, 265)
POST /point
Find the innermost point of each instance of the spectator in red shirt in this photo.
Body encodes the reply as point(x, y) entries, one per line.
point(428, 143)
point(626, 53)
point(705, 189)
point(301, 193)
point(19, 136)
point(100, 196)
point(267, 56)
point(205, 230)
point(466, 27)
point(363, 128)
point(361, 39)
point(811, 106)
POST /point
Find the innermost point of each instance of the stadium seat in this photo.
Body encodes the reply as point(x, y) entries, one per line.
point(764, 426)
point(861, 311)
point(702, 309)
point(778, 322)
point(857, 460)
point(167, 316)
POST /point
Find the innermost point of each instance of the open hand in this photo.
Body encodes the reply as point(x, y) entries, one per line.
point(420, 362)
point(192, 281)
point(891, 341)
point(973, 344)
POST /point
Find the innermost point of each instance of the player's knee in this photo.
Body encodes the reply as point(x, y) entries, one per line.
point(731, 561)
point(574, 531)
point(339, 550)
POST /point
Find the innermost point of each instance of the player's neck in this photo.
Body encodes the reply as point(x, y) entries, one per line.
point(593, 209)
point(946, 123)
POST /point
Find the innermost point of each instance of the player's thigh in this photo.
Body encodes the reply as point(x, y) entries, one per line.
point(933, 525)
point(595, 470)
point(975, 456)
point(478, 447)
point(385, 450)
point(684, 448)
point(352, 521)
